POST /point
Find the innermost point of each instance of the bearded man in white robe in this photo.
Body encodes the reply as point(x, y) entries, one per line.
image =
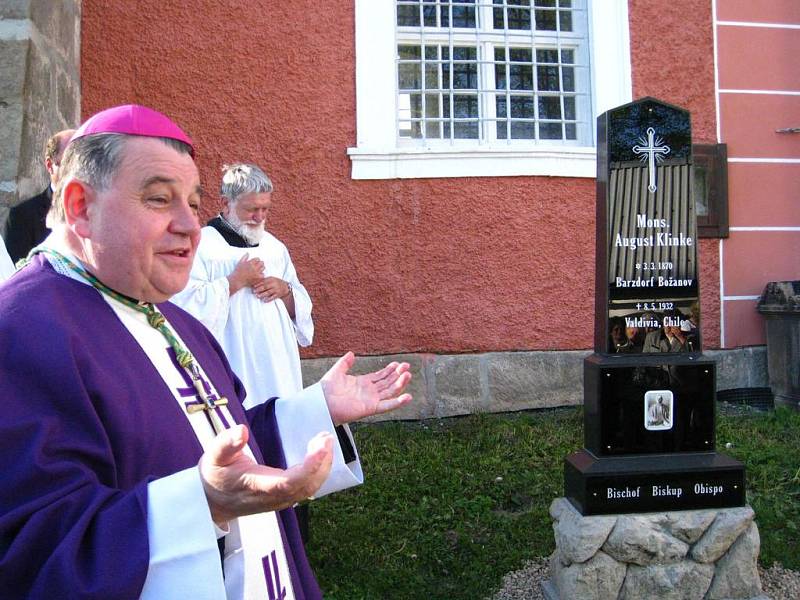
point(244, 288)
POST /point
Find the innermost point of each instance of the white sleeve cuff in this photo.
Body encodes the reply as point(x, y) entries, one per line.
point(301, 417)
point(183, 543)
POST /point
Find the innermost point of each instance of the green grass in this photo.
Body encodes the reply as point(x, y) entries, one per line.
point(450, 506)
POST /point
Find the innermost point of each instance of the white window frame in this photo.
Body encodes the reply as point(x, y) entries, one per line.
point(379, 155)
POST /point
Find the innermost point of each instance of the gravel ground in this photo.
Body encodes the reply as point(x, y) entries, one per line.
point(778, 583)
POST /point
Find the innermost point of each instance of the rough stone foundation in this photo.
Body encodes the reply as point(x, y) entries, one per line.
point(695, 554)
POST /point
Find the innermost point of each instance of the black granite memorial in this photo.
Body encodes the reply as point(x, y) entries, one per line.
point(649, 393)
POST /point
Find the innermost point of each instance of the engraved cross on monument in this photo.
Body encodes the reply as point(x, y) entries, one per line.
point(653, 150)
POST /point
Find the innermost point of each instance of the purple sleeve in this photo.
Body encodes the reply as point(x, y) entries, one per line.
point(264, 428)
point(68, 526)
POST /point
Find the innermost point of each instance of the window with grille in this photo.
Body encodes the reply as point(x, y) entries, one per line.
point(485, 88)
point(493, 70)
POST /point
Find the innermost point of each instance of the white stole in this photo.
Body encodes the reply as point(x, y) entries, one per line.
point(255, 563)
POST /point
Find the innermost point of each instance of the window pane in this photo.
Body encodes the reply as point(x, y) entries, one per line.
point(547, 56)
point(500, 68)
point(523, 131)
point(464, 106)
point(516, 15)
point(521, 74)
point(568, 79)
point(549, 107)
point(519, 18)
point(550, 131)
point(431, 76)
point(407, 15)
point(409, 108)
point(465, 74)
point(571, 131)
point(429, 14)
point(433, 129)
point(522, 107)
point(500, 106)
point(521, 77)
point(565, 16)
point(546, 19)
point(569, 108)
point(498, 20)
point(548, 79)
point(409, 76)
point(463, 16)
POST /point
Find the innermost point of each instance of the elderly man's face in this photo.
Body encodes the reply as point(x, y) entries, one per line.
point(249, 215)
point(144, 228)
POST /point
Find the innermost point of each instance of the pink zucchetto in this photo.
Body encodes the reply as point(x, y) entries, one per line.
point(133, 119)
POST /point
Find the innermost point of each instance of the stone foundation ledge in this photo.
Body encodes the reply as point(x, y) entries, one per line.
point(708, 554)
point(449, 385)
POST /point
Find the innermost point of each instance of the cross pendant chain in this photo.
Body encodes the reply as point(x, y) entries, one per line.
point(207, 403)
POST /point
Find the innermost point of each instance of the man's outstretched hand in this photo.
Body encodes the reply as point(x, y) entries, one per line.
point(235, 485)
point(353, 397)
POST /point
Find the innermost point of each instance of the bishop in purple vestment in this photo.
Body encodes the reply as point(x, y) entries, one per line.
point(116, 485)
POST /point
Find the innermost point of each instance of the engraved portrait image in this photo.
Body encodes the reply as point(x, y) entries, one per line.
point(658, 410)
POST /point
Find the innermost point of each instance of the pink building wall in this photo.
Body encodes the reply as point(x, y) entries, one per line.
point(433, 265)
point(758, 92)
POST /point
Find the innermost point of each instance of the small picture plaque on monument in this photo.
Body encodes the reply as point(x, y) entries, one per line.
point(649, 393)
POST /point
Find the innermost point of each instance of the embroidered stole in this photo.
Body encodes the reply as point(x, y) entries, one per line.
point(255, 564)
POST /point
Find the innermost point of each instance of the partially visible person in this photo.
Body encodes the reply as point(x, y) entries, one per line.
point(669, 337)
point(623, 339)
point(618, 341)
point(689, 328)
point(6, 264)
point(27, 221)
point(635, 338)
point(658, 414)
point(244, 288)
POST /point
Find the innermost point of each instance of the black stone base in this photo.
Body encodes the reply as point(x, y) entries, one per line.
point(656, 482)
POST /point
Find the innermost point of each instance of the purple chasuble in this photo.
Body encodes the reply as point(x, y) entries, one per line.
point(87, 423)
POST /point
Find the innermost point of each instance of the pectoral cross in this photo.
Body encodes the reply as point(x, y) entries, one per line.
point(208, 403)
point(651, 150)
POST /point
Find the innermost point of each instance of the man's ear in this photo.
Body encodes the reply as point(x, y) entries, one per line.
point(78, 198)
point(226, 206)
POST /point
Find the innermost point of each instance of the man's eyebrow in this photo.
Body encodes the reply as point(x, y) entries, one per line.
point(157, 179)
point(169, 181)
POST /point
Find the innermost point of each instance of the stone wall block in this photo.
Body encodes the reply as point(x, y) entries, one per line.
point(68, 93)
point(736, 573)
point(58, 23)
point(578, 537)
point(640, 540)
point(14, 9)
point(457, 381)
point(13, 57)
point(523, 380)
point(740, 367)
point(728, 525)
point(600, 578)
point(688, 525)
point(684, 580)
